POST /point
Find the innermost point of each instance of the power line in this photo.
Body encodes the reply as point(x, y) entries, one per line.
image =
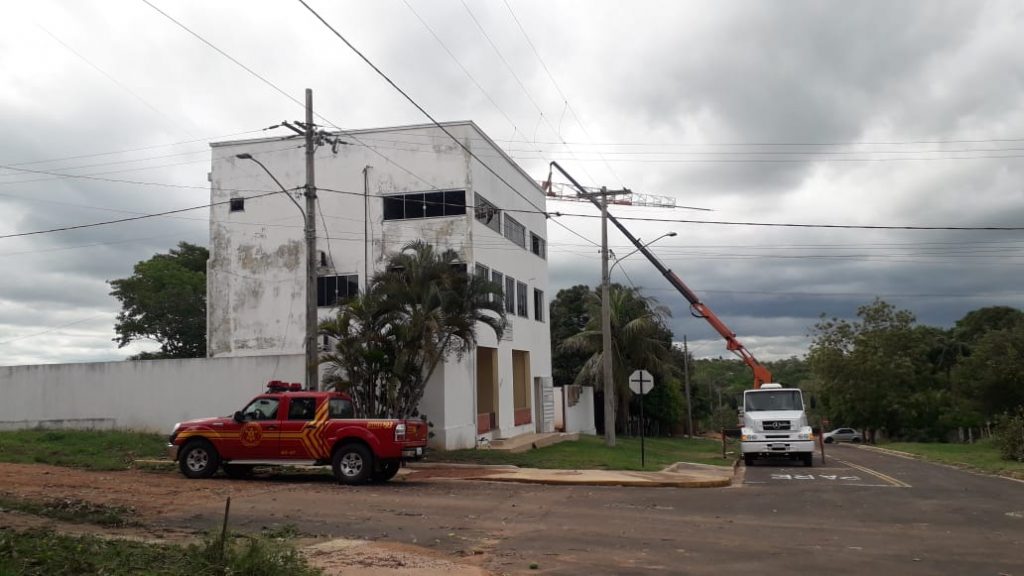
point(48, 330)
point(558, 88)
point(789, 225)
point(133, 218)
point(429, 116)
point(515, 128)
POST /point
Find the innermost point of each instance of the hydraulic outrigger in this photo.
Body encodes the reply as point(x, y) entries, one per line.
point(697, 308)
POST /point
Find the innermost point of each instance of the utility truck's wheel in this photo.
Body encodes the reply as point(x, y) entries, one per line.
point(352, 464)
point(748, 460)
point(809, 460)
point(199, 459)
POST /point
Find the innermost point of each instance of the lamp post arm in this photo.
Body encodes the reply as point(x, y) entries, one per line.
point(276, 181)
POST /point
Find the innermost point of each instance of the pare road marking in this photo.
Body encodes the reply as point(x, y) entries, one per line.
point(812, 477)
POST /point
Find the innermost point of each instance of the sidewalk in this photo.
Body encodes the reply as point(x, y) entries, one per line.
point(681, 475)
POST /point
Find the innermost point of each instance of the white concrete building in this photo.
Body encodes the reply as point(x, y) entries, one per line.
point(378, 191)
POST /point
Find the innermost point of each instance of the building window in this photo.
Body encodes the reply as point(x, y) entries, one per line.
point(521, 300)
point(538, 305)
point(515, 231)
point(237, 204)
point(425, 205)
point(499, 279)
point(510, 294)
point(487, 214)
point(334, 290)
point(538, 246)
point(483, 271)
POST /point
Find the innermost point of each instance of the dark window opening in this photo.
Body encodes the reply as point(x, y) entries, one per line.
point(488, 214)
point(237, 204)
point(510, 295)
point(428, 205)
point(521, 300)
point(334, 290)
point(515, 231)
point(538, 305)
point(499, 279)
point(482, 270)
point(538, 246)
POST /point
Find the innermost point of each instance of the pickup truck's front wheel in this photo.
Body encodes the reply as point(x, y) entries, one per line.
point(198, 459)
point(352, 464)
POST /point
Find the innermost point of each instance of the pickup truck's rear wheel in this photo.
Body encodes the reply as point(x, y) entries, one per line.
point(386, 470)
point(198, 459)
point(352, 464)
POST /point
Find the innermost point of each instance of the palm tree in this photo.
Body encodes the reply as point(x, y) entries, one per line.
point(421, 310)
point(639, 340)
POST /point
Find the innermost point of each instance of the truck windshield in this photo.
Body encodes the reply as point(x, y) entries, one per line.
point(772, 400)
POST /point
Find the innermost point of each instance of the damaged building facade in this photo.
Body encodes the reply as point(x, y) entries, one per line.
point(378, 190)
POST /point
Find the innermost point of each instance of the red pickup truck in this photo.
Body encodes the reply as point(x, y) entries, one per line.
point(289, 426)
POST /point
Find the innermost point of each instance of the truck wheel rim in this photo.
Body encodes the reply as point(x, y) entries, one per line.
point(351, 464)
point(197, 460)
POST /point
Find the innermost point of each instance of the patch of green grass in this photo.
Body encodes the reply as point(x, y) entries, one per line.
point(44, 552)
point(590, 453)
point(982, 455)
point(92, 449)
point(72, 510)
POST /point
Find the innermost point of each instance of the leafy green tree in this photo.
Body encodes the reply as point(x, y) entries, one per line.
point(569, 316)
point(992, 375)
point(976, 323)
point(420, 311)
point(639, 340)
point(164, 300)
point(872, 371)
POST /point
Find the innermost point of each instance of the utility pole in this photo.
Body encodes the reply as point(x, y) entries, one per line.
point(367, 254)
point(686, 380)
point(607, 378)
point(312, 351)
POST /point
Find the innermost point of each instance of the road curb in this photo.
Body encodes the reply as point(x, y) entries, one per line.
point(639, 483)
point(458, 466)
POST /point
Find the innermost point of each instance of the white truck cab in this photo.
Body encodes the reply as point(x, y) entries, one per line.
point(775, 425)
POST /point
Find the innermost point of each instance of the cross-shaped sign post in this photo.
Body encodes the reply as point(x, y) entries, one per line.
point(641, 382)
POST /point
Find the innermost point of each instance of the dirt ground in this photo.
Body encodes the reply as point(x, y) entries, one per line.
point(152, 495)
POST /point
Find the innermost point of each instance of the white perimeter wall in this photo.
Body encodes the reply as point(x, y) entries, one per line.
point(143, 395)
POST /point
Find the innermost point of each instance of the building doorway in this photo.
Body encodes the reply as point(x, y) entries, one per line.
point(486, 389)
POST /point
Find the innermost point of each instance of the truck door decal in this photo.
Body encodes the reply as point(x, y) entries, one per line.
point(251, 434)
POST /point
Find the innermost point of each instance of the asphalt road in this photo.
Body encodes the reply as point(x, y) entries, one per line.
point(862, 513)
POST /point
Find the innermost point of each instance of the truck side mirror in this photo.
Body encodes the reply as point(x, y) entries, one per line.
point(238, 416)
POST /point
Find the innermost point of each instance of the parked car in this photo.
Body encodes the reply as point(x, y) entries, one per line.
point(843, 435)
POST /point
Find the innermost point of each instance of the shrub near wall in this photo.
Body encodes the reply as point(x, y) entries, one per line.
point(1009, 436)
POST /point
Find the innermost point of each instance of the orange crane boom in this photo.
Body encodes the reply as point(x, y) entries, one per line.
point(697, 308)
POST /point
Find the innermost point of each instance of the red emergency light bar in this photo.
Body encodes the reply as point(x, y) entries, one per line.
point(281, 386)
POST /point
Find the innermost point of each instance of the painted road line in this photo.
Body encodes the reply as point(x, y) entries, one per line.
point(875, 473)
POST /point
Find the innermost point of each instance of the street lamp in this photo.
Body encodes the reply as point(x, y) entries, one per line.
point(617, 260)
point(247, 156)
point(309, 215)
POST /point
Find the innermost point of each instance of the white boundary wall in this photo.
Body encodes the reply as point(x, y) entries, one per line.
point(146, 395)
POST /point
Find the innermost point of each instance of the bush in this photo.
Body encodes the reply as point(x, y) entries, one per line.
point(1009, 436)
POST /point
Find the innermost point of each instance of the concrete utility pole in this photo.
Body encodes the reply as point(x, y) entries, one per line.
point(607, 379)
point(686, 380)
point(312, 350)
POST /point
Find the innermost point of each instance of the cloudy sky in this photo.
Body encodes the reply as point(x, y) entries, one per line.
point(866, 114)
